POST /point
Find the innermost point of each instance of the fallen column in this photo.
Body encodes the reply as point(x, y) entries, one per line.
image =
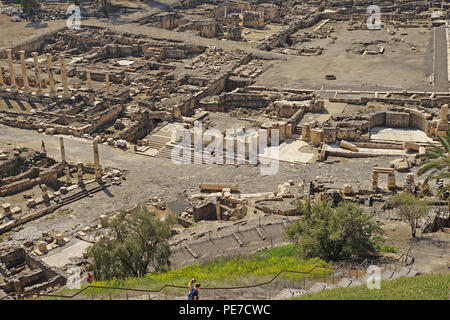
point(218, 187)
point(347, 145)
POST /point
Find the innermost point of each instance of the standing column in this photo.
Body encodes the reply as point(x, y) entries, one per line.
point(98, 169)
point(64, 76)
point(51, 80)
point(444, 112)
point(68, 179)
point(107, 82)
point(11, 69)
point(375, 181)
point(63, 151)
point(89, 81)
point(2, 83)
point(37, 72)
point(26, 87)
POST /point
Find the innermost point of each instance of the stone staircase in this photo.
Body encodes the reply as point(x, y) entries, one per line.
point(387, 274)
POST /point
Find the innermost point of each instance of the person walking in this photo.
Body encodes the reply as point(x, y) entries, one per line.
point(191, 287)
point(195, 292)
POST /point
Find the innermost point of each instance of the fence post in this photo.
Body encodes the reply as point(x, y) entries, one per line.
point(332, 277)
point(92, 296)
point(293, 281)
point(324, 275)
point(110, 297)
point(304, 282)
point(284, 281)
point(126, 293)
point(356, 273)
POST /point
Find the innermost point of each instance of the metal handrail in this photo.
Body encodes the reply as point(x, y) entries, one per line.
point(338, 267)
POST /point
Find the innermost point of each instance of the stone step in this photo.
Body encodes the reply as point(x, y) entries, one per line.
point(318, 286)
point(387, 275)
point(289, 293)
point(345, 283)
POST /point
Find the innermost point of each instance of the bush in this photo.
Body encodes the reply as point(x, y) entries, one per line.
point(333, 234)
point(133, 243)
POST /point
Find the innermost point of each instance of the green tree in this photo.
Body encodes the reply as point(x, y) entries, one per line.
point(411, 209)
point(131, 245)
point(333, 234)
point(30, 7)
point(437, 161)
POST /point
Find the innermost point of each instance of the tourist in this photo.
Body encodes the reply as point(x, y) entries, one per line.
point(191, 288)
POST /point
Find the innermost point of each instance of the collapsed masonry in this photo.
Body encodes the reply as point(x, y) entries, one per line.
point(24, 275)
point(24, 169)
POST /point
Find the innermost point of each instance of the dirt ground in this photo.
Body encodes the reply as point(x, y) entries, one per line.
point(431, 251)
point(398, 67)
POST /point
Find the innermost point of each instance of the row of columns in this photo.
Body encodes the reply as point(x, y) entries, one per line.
point(98, 168)
point(51, 79)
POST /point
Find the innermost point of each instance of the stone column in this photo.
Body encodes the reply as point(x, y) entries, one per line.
point(107, 89)
point(444, 112)
point(80, 174)
point(306, 131)
point(51, 80)
point(68, 179)
point(2, 82)
point(89, 81)
point(375, 181)
point(98, 168)
point(63, 152)
point(26, 87)
point(45, 196)
point(11, 69)
point(64, 76)
point(391, 181)
point(218, 208)
point(37, 72)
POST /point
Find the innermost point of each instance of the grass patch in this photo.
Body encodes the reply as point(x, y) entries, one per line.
point(424, 287)
point(229, 271)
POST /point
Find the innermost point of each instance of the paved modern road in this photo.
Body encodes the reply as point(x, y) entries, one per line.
point(440, 63)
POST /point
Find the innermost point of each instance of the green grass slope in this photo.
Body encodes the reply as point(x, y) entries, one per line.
point(423, 287)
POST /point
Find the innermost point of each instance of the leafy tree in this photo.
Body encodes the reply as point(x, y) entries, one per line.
point(411, 209)
point(30, 7)
point(333, 234)
point(437, 161)
point(131, 245)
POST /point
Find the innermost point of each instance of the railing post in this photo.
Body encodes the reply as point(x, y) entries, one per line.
point(126, 293)
point(304, 282)
point(293, 280)
point(324, 275)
